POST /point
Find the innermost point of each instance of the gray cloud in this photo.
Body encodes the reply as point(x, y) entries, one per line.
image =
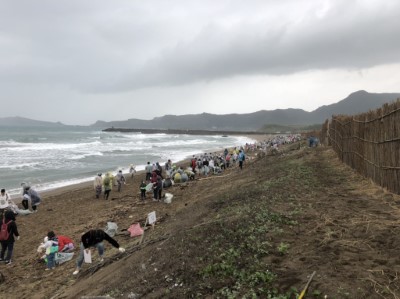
point(76, 50)
point(95, 46)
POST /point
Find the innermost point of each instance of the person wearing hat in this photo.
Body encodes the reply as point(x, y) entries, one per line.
point(98, 185)
point(31, 195)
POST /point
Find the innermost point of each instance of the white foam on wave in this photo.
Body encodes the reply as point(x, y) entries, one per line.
point(62, 156)
point(83, 156)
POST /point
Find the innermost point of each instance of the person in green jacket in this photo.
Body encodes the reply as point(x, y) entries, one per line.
point(107, 183)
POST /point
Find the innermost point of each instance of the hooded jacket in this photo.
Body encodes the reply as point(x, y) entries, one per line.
point(12, 226)
point(95, 236)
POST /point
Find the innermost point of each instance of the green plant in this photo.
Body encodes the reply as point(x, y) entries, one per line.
point(283, 248)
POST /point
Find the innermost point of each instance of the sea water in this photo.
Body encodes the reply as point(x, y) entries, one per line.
point(48, 158)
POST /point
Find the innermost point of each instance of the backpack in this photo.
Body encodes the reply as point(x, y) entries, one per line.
point(4, 233)
point(106, 181)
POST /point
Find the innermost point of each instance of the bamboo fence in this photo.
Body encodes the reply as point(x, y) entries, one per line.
point(369, 143)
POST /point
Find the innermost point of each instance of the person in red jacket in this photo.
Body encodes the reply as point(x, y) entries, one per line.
point(65, 244)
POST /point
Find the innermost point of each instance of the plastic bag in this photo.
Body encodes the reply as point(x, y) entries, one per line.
point(135, 230)
point(111, 229)
point(62, 257)
point(168, 197)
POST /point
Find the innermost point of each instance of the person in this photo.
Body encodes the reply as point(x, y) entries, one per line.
point(32, 196)
point(51, 246)
point(65, 244)
point(4, 201)
point(193, 163)
point(98, 185)
point(120, 180)
point(159, 187)
point(132, 170)
point(168, 167)
point(8, 245)
point(241, 158)
point(228, 159)
point(94, 238)
point(25, 202)
point(143, 190)
point(155, 189)
point(149, 170)
point(159, 167)
point(107, 183)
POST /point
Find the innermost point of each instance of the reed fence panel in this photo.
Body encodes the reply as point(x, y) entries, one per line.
point(369, 143)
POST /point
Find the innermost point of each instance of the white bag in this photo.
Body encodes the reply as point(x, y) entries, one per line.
point(168, 197)
point(87, 256)
point(111, 229)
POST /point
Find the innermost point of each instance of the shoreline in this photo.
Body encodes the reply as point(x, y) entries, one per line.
point(89, 184)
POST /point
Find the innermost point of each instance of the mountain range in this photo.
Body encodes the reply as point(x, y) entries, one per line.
point(357, 102)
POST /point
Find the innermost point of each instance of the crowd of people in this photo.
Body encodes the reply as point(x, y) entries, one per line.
point(157, 178)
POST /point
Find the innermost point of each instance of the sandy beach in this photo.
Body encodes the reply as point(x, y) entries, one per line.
point(282, 217)
point(71, 211)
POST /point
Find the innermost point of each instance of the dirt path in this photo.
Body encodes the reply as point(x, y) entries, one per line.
point(258, 232)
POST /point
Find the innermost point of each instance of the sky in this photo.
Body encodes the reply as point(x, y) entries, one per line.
point(80, 61)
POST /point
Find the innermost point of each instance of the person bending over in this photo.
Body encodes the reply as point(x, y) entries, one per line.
point(94, 238)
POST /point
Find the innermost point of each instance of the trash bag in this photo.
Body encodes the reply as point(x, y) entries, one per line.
point(135, 230)
point(149, 187)
point(177, 178)
point(111, 229)
point(168, 197)
point(23, 212)
point(62, 257)
point(184, 177)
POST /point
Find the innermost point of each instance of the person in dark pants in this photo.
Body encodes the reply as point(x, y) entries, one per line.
point(241, 158)
point(155, 191)
point(94, 238)
point(107, 183)
point(148, 170)
point(159, 186)
point(8, 245)
point(143, 190)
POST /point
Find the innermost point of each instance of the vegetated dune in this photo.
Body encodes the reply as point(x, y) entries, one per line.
point(260, 231)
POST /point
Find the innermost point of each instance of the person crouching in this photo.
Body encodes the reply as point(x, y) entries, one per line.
point(51, 246)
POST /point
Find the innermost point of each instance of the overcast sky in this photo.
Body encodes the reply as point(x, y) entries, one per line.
point(82, 61)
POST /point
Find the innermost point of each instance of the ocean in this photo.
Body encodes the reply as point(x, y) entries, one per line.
point(49, 158)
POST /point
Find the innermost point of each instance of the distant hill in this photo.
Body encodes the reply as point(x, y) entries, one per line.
point(26, 122)
point(265, 120)
point(207, 121)
point(357, 102)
